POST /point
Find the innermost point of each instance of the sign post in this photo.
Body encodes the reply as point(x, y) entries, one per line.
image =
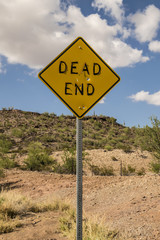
point(80, 78)
point(79, 168)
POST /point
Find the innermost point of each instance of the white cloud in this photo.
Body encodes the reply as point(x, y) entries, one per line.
point(32, 73)
point(29, 30)
point(154, 46)
point(114, 7)
point(153, 99)
point(146, 23)
point(34, 32)
point(122, 54)
point(102, 100)
point(103, 39)
point(2, 67)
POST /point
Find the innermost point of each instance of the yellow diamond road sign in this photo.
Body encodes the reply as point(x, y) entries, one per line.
point(79, 77)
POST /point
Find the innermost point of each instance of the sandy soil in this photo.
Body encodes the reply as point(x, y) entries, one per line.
point(130, 204)
point(136, 159)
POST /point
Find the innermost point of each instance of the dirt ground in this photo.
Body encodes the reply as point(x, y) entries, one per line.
point(129, 204)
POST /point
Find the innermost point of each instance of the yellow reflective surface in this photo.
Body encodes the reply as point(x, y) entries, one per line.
point(79, 77)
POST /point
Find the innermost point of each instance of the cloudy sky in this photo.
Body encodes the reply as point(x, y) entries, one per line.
point(125, 33)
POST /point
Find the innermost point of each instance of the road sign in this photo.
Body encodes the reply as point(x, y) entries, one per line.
point(79, 77)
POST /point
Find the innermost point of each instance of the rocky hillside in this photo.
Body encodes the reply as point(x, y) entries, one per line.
point(19, 128)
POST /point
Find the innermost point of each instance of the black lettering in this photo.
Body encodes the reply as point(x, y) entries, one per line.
point(85, 68)
point(66, 88)
point(78, 88)
point(96, 69)
point(73, 67)
point(90, 89)
point(62, 67)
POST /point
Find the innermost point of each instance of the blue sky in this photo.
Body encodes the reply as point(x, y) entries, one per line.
point(125, 33)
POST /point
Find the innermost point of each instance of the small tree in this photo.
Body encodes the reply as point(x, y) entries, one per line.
point(38, 158)
point(69, 161)
point(150, 140)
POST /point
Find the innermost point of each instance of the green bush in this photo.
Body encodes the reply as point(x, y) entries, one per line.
point(125, 147)
point(141, 172)
point(108, 148)
point(17, 132)
point(97, 125)
point(102, 171)
point(131, 169)
point(127, 171)
point(47, 138)
point(5, 144)
point(38, 158)
point(2, 173)
point(69, 162)
point(114, 159)
point(6, 162)
point(155, 167)
point(46, 114)
point(149, 137)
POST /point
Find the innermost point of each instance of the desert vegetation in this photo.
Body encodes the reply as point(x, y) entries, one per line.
point(37, 136)
point(14, 209)
point(29, 140)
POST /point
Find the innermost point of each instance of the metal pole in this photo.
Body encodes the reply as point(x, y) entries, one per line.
point(79, 178)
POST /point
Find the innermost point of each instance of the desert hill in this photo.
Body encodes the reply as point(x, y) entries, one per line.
point(119, 187)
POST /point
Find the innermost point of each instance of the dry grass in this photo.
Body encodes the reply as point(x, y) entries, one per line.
point(93, 229)
point(14, 207)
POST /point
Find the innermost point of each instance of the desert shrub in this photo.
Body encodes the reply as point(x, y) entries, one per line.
point(149, 139)
point(5, 144)
point(46, 114)
point(53, 114)
point(125, 147)
point(102, 171)
point(2, 173)
point(6, 162)
point(112, 120)
point(131, 169)
point(88, 142)
point(31, 130)
point(141, 172)
point(155, 166)
point(114, 159)
point(92, 230)
point(108, 148)
point(69, 162)
point(113, 141)
point(61, 118)
point(127, 171)
point(127, 131)
point(17, 132)
point(10, 108)
point(47, 138)
point(38, 159)
point(97, 125)
point(14, 207)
